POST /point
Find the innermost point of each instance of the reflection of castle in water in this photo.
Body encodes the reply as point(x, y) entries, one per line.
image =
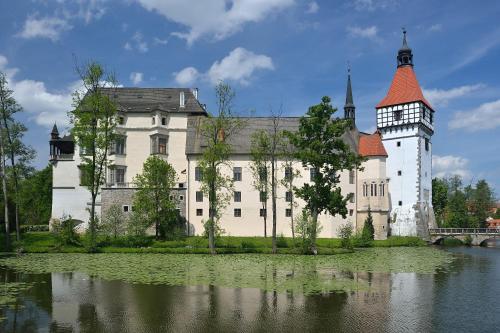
point(73, 302)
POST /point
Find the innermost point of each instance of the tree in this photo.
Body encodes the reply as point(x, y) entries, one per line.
point(113, 222)
point(153, 196)
point(216, 130)
point(259, 167)
point(497, 214)
point(94, 122)
point(35, 197)
point(439, 198)
point(483, 200)
point(345, 234)
point(456, 209)
point(368, 233)
point(320, 147)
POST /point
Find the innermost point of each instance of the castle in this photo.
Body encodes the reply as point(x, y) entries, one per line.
point(395, 183)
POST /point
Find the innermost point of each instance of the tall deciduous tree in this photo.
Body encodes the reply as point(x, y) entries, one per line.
point(94, 122)
point(439, 198)
point(319, 146)
point(216, 131)
point(482, 201)
point(456, 210)
point(14, 149)
point(153, 198)
point(35, 197)
point(259, 167)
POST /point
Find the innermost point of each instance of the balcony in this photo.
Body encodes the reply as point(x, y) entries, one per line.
point(119, 185)
point(62, 157)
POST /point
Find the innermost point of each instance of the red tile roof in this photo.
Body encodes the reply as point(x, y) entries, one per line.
point(404, 89)
point(493, 223)
point(371, 145)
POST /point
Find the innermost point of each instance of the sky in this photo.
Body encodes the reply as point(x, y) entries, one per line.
point(275, 54)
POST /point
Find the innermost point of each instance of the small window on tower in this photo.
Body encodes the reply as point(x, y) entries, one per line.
point(398, 143)
point(400, 203)
point(400, 172)
point(426, 144)
point(397, 115)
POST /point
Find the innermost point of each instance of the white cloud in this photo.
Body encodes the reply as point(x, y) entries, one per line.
point(217, 19)
point(136, 78)
point(368, 32)
point(449, 165)
point(371, 5)
point(137, 42)
point(443, 97)
point(484, 117)
point(238, 66)
point(312, 8)
point(46, 27)
point(159, 41)
point(435, 28)
point(187, 76)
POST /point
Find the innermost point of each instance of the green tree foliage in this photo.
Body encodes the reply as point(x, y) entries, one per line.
point(368, 233)
point(456, 210)
point(153, 198)
point(114, 222)
point(260, 168)
point(216, 131)
point(439, 198)
point(319, 146)
point(35, 197)
point(64, 230)
point(345, 234)
point(94, 122)
point(497, 214)
point(305, 231)
point(481, 203)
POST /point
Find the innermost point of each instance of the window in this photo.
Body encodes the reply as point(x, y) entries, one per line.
point(351, 176)
point(288, 212)
point(237, 212)
point(381, 188)
point(288, 196)
point(117, 175)
point(237, 174)
point(237, 196)
point(125, 208)
point(153, 120)
point(373, 190)
point(197, 174)
point(199, 212)
point(263, 196)
point(119, 146)
point(400, 203)
point(84, 176)
point(182, 101)
point(351, 212)
point(397, 115)
point(365, 189)
point(159, 144)
point(431, 117)
point(163, 121)
point(181, 185)
point(199, 196)
point(351, 200)
point(263, 174)
point(288, 173)
point(400, 172)
point(426, 144)
point(398, 144)
point(121, 120)
point(312, 173)
point(181, 197)
point(263, 212)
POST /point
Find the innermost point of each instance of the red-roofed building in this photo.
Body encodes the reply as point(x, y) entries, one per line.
point(405, 120)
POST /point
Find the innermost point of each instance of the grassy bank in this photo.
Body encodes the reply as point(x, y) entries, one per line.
point(45, 242)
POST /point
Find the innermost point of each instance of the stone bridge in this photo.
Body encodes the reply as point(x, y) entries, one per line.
point(476, 235)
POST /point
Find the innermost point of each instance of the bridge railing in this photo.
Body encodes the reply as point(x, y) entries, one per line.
point(464, 231)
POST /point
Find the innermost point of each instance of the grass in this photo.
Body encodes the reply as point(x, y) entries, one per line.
point(45, 242)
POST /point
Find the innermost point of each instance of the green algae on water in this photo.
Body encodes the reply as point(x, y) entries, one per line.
point(282, 273)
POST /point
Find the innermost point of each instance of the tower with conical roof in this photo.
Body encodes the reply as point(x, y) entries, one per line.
point(349, 108)
point(406, 121)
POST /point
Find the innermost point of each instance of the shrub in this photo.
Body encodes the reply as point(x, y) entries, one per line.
point(34, 227)
point(64, 231)
point(281, 241)
point(345, 233)
point(113, 223)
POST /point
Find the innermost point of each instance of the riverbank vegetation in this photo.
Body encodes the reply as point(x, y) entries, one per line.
point(47, 242)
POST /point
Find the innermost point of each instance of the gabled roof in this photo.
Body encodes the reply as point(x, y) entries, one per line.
point(404, 89)
point(150, 99)
point(241, 143)
point(371, 145)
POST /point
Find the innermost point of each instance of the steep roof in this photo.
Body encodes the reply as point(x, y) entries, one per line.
point(150, 99)
point(241, 143)
point(404, 89)
point(371, 145)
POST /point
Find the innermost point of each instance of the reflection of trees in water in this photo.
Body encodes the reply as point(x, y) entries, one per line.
point(88, 319)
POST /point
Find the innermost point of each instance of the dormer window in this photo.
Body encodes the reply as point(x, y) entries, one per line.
point(153, 120)
point(182, 101)
point(163, 121)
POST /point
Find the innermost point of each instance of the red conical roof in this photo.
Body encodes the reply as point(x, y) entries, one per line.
point(404, 89)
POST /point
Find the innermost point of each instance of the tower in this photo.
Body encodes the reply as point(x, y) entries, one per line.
point(349, 108)
point(406, 121)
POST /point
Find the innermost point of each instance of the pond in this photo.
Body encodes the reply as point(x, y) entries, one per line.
point(375, 290)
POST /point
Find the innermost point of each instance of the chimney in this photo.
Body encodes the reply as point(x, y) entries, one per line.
point(195, 93)
point(182, 100)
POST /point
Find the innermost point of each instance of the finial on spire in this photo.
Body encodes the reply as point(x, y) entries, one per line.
point(405, 56)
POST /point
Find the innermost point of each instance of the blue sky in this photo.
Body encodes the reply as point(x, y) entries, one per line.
point(273, 52)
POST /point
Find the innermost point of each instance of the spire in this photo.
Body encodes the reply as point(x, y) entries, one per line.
point(405, 56)
point(55, 133)
point(349, 108)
